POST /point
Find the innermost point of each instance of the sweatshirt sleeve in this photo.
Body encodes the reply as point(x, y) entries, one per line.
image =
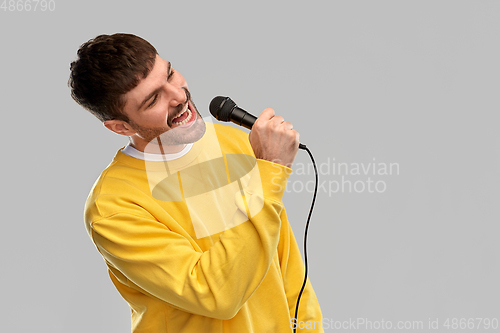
point(293, 269)
point(216, 283)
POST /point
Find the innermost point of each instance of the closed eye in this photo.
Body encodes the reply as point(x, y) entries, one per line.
point(154, 101)
point(171, 73)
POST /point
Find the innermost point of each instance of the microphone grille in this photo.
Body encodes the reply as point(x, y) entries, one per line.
point(221, 107)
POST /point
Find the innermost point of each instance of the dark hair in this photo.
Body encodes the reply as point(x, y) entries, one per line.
point(108, 67)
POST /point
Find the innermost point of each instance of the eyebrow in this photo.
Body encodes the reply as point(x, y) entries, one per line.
point(157, 90)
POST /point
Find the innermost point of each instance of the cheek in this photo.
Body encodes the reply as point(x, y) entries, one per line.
point(160, 118)
point(157, 117)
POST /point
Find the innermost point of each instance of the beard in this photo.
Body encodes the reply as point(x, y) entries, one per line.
point(168, 136)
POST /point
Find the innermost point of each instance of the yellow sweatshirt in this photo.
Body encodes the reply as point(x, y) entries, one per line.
point(185, 262)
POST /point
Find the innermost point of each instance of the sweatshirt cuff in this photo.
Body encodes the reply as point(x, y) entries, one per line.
point(274, 178)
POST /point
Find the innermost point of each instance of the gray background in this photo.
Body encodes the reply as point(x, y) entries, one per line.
point(408, 82)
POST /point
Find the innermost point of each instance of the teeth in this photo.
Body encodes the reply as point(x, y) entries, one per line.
point(185, 120)
point(185, 108)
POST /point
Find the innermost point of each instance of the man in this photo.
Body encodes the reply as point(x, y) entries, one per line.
point(189, 215)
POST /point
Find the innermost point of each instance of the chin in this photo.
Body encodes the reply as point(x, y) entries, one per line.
point(181, 135)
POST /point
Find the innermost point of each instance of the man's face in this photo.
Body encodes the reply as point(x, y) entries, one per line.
point(161, 106)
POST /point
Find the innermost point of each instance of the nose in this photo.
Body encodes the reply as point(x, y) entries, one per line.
point(176, 94)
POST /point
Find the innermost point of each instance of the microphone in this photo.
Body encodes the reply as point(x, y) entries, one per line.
point(225, 109)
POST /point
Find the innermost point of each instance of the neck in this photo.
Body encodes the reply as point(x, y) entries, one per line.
point(141, 146)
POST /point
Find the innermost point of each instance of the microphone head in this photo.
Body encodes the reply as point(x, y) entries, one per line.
point(221, 108)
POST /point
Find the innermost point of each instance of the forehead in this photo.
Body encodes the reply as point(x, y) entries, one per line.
point(146, 86)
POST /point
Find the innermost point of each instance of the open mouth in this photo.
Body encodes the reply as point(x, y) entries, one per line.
point(184, 117)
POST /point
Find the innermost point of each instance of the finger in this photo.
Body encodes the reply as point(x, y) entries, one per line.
point(287, 125)
point(278, 120)
point(266, 114)
point(295, 136)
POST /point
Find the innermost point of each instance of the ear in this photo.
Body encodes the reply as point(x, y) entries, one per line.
point(119, 127)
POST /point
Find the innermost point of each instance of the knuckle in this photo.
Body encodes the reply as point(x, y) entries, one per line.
point(269, 112)
point(258, 125)
point(277, 121)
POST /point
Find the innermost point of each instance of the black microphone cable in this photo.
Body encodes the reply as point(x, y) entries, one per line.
point(225, 109)
point(305, 237)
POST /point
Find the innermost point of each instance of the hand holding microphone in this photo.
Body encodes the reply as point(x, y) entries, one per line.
point(274, 139)
point(271, 138)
